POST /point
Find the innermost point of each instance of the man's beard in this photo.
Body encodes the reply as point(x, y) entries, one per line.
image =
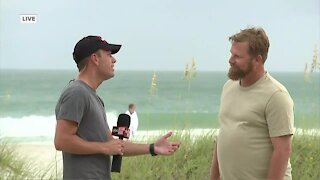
point(235, 73)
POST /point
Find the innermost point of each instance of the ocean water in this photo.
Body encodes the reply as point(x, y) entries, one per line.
point(28, 99)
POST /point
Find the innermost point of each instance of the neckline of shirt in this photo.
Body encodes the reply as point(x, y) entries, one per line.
point(266, 74)
point(86, 85)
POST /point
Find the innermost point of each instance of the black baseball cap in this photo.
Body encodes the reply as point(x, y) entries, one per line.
point(90, 44)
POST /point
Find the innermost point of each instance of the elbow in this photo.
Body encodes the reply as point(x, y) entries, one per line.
point(58, 148)
point(57, 144)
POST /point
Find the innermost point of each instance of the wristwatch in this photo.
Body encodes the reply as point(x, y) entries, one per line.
point(151, 150)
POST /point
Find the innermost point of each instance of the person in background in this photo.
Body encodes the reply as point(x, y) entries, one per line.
point(255, 117)
point(134, 120)
point(82, 132)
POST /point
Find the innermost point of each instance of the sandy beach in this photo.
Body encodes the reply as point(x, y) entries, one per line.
point(44, 155)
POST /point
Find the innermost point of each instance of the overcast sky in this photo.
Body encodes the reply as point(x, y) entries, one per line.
point(156, 34)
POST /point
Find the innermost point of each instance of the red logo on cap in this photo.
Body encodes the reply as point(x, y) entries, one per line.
point(104, 41)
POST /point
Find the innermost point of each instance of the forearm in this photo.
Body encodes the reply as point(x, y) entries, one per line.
point(131, 149)
point(278, 165)
point(75, 145)
point(215, 174)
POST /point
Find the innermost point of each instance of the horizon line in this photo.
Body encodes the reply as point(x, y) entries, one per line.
point(141, 70)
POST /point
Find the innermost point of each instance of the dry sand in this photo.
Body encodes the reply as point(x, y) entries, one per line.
point(44, 157)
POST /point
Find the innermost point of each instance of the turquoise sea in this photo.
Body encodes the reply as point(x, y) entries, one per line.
point(28, 99)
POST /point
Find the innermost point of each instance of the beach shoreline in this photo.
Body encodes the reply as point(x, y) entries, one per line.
point(45, 158)
point(44, 154)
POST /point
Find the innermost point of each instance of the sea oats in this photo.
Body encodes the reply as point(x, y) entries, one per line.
point(153, 87)
point(315, 64)
point(186, 72)
point(306, 74)
point(190, 73)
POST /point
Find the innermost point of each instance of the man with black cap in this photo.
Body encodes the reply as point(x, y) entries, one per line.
point(82, 132)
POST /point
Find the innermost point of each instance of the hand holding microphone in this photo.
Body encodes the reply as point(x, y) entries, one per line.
point(113, 147)
point(122, 131)
point(162, 146)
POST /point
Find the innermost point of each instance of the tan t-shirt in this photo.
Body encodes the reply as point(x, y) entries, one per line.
point(249, 117)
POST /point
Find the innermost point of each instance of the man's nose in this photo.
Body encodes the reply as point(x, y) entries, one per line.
point(231, 60)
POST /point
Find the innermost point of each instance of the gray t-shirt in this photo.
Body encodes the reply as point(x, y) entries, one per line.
point(81, 104)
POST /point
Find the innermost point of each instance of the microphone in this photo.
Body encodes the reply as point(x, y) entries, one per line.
point(122, 131)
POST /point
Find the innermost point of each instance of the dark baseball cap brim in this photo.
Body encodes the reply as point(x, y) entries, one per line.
point(113, 48)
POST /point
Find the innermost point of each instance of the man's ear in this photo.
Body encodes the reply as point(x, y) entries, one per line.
point(94, 59)
point(258, 59)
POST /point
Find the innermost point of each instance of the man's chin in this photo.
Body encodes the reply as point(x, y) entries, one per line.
point(233, 76)
point(110, 76)
point(236, 74)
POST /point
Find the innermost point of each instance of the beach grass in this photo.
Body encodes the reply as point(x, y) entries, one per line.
point(14, 165)
point(305, 158)
point(191, 161)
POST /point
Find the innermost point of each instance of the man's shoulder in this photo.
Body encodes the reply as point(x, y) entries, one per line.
point(75, 89)
point(274, 85)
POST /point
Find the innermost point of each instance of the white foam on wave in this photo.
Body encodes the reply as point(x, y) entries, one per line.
point(309, 132)
point(198, 133)
point(44, 126)
point(27, 126)
point(37, 126)
point(145, 136)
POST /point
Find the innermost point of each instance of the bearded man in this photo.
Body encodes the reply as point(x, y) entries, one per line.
point(255, 117)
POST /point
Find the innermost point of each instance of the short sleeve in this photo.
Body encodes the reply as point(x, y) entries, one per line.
point(72, 105)
point(280, 114)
